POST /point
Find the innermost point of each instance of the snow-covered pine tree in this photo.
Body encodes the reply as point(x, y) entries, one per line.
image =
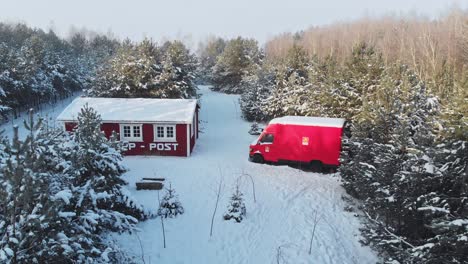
point(16, 203)
point(289, 95)
point(30, 216)
point(178, 72)
point(170, 205)
point(146, 70)
point(274, 105)
point(130, 73)
point(97, 201)
point(297, 61)
point(99, 168)
point(297, 98)
point(236, 209)
point(255, 129)
point(443, 206)
point(347, 90)
point(239, 58)
point(208, 53)
point(256, 91)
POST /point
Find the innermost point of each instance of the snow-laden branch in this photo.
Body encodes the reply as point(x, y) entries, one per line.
point(388, 231)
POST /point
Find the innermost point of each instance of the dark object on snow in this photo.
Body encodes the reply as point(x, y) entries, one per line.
point(153, 179)
point(149, 185)
point(255, 130)
point(236, 208)
point(170, 205)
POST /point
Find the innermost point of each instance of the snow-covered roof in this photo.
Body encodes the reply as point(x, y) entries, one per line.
point(134, 110)
point(309, 121)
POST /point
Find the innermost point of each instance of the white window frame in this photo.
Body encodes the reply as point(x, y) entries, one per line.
point(132, 138)
point(165, 138)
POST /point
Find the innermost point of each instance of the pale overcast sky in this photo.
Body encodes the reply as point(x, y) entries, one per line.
point(181, 18)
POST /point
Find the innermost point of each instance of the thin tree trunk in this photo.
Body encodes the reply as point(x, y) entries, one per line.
point(216, 204)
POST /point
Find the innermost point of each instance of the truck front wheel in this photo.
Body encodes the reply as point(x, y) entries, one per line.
point(316, 166)
point(257, 158)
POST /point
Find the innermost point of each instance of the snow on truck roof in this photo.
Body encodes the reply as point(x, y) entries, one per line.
point(309, 121)
point(134, 109)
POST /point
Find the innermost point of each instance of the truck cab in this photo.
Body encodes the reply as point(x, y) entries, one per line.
point(263, 147)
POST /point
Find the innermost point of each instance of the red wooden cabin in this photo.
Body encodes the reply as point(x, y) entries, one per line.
point(167, 127)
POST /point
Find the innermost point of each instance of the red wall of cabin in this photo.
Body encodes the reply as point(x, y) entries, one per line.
point(143, 148)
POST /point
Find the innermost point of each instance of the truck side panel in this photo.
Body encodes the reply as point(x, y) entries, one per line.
point(307, 143)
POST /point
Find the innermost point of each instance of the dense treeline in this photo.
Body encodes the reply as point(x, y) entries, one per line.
point(407, 158)
point(62, 194)
point(436, 49)
point(147, 70)
point(38, 67)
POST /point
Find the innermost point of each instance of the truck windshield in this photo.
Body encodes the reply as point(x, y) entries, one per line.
point(267, 138)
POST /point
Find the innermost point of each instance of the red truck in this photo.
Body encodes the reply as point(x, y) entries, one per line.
point(299, 139)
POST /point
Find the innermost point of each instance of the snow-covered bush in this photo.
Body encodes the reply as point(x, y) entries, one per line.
point(236, 208)
point(170, 205)
point(255, 129)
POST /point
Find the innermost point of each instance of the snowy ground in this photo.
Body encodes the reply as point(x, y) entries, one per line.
point(278, 225)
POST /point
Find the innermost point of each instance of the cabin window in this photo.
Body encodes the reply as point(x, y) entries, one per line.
point(136, 131)
point(160, 132)
point(267, 138)
point(131, 132)
point(165, 133)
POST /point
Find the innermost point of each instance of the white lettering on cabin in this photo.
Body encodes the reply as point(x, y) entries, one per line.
point(163, 146)
point(128, 146)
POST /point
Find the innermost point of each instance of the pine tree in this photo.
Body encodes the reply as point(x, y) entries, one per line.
point(256, 91)
point(289, 95)
point(97, 201)
point(146, 70)
point(170, 205)
point(30, 215)
point(236, 208)
point(208, 53)
point(98, 168)
point(297, 61)
point(349, 90)
point(239, 58)
point(255, 129)
point(178, 67)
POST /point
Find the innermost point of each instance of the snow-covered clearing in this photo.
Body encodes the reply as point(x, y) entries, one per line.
point(278, 226)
